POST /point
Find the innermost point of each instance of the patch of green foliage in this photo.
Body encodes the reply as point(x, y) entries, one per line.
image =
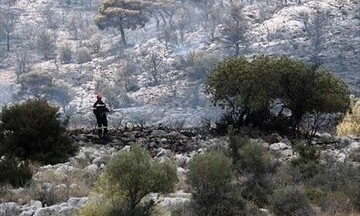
point(213, 193)
point(291, 201)
point(32, 131)
point(14, 172)
point(253, 163)
point(308, 161)
point(128, 179)
point(250, 90)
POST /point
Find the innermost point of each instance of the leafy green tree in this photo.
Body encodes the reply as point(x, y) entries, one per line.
point(303, 90)
point(122, 14)
point(249, 89)
point(213, 193)
point(32, 131)
point(242, 87)
point(129, 177)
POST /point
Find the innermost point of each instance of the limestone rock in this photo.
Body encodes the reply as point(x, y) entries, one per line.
point(278, 146)
point(36, 203)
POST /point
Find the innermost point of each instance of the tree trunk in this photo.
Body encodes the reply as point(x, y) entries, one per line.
point(123, 38)
point(8, 41)
point(237, 49)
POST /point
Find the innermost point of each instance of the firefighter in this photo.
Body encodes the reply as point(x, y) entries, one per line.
point(100, 111)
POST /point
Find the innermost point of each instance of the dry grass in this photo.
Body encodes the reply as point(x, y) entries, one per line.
point(351, 123)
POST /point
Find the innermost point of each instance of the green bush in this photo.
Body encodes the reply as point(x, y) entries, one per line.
point(14, 172)
point(341, 178)
point(315, 195)
point(32, 131)
point(308, 161)
point(290, 201)
point(213, 193)
point(128, 179)
point(254, 162)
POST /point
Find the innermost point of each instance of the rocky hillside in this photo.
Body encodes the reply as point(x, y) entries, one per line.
point(323, 31)
point(62, 189)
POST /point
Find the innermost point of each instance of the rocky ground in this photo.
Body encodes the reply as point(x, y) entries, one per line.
point(62, 189)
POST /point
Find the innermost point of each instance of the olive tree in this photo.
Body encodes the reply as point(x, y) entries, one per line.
point(249, 90)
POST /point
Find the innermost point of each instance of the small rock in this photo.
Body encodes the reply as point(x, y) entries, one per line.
point(161, 152)
point(341, 157)
point(326, 137)
point(287, 152)
point(36, 203)
point(77, 202)
point(100, 160)
point(93, 168)
point(126, 148)
point(354, 145)
point(278, 146)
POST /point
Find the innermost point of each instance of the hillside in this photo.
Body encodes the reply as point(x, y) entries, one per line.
point(324, 32)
